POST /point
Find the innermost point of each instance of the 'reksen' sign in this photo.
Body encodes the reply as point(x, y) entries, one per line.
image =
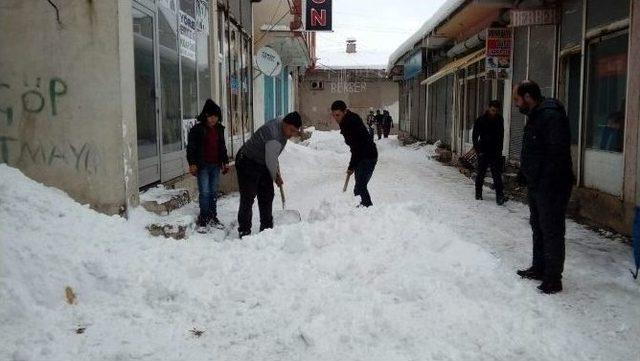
point(318, 15)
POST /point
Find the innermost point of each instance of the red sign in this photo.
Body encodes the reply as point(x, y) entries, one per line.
point(499, 45)
point(318, 15)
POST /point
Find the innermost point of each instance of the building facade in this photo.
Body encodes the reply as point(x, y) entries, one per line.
point(362, 89)
point(278, 26)
point(577, 50)
point(98, 98)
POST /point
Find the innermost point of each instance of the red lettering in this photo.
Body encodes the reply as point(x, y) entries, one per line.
point(318, 18)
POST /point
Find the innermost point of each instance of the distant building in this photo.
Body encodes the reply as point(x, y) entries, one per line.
point(363, 89)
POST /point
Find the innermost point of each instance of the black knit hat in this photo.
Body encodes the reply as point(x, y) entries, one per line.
point(293, 119)
point(210, 108)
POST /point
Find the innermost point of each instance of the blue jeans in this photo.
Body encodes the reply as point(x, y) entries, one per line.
point(208, 181)
point(363, 173)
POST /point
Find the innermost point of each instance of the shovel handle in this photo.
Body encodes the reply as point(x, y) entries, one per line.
point(282, 196)
point(346, 183)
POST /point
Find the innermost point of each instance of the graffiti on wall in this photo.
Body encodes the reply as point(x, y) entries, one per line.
point(33, 102)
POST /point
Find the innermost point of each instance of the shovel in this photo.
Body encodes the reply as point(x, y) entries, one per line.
point(346, 183)
point(285, 216)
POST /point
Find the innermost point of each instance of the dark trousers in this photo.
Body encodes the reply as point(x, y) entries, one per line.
point(363, 173)
point(208, 181)
point(495, 163)
point(254, 180)
point(548, 210)
point(379, 129)
point(387, 130)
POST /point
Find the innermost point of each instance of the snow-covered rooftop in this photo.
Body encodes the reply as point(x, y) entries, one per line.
point(443, 12)
point(362, 59)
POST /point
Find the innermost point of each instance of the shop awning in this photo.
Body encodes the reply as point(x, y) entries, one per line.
point(454, 65)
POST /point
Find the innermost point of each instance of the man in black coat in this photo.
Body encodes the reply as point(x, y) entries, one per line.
point(547, 170)
point(207, 157)
point(364, 154)
point(387, 121)
point(379, 123)
point(488, 136)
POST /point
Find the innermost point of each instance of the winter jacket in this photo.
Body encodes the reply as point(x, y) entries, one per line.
point(379, 119)
point(488, 135)
point(265, 145)
point(387, 120)
point(546, 148)
point(195, 146)
point(358, 139)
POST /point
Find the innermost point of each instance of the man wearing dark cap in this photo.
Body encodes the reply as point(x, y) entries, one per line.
point(364, 154)
point(258, 168)
point(547, 171)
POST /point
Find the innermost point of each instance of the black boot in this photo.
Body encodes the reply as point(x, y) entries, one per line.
point(479, 195)
point(500, 200)
point(530, 274)
point(550, 287)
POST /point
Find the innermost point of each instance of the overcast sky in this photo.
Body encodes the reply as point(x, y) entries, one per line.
point(379, 26)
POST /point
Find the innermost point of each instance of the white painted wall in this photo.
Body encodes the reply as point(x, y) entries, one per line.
point(258, 100)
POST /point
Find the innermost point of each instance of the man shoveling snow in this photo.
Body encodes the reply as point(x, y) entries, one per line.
point(258, 168)
point(364, 154)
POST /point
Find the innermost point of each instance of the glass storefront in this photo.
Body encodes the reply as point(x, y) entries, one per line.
point(172, 82)
point(606, 95)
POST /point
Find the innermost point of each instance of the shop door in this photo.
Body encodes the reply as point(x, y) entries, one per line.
point(146, 99)
point(605, 121)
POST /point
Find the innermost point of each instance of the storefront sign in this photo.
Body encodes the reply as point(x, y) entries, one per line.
point(499, 46)
point(534, 17)
point(268, 61)
point(187, 36)
point(348, 87)
point(318, 15)
point(413, 65)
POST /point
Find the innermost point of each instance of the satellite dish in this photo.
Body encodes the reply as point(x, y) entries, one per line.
point(268, 61)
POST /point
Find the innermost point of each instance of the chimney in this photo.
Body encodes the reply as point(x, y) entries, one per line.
point(351, 46)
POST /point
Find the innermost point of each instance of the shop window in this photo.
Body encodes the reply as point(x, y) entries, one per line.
point(188, 59)
point(606, 96)
point(571, 28)
point(570, 92)
point(599, 15)
point(169, 81)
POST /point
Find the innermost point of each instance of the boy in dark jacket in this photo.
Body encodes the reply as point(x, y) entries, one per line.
point(207, 157)
point(364, 154)
point(547, 171)
point(488, 136)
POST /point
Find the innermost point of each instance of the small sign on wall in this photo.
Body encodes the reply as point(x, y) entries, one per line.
point(534, 17)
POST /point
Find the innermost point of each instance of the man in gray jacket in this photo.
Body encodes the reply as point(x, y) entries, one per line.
point(258, 168)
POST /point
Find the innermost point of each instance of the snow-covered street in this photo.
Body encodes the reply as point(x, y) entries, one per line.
point(428, 273)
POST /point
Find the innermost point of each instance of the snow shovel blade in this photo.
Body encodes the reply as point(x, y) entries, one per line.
point(285, 216)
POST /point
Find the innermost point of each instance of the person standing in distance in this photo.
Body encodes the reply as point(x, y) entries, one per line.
point(488, 136)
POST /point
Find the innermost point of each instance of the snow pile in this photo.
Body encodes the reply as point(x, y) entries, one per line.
point(425, 274)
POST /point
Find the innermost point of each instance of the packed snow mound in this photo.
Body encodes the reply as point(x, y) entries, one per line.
point(425, 274)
